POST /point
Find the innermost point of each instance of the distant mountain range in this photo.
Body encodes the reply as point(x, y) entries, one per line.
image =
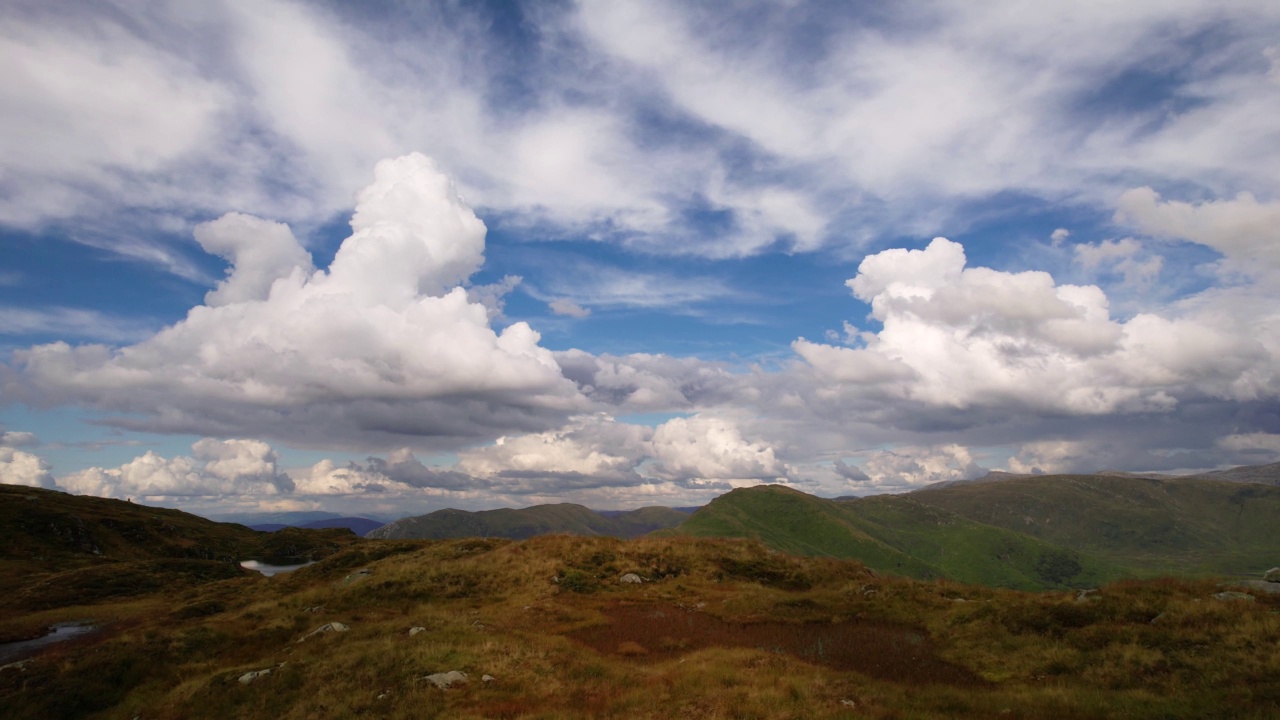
point(358, 525)
point(1028, 532)
point(528, 522)
point(1258, 474)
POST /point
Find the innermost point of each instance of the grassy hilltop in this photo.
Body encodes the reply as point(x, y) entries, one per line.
point(720, 627)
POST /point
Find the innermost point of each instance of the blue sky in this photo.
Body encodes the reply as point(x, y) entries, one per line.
point(395, 257)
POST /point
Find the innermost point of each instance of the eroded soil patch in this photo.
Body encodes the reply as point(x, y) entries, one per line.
point(890, 652)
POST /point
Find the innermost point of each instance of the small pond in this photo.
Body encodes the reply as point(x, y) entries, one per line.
point(268, 569)
point(14, 651)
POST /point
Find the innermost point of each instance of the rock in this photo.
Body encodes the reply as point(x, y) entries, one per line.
point(487, 678)
point(249, 677)
point(1272, 575)
point(1233, 595)
point(415, 630)
point(631, 579)
point(252, 675)
point(328, 627)
point(1271, 588)
point(446, 680)
point(357, 575)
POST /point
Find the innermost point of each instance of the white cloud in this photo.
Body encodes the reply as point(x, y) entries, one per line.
point(565, 306)
point(590, 450)
point(17, 439)
point(74, 322)
point(628, 115)
point(915, 466)
point(1054, 456)
point(1258, 442)
point(260, 253)
point(1120, 257)
point(963, 337)
point(82, 101)
point(707, 448)
point(215, 468)
point(23, 468)
point(1244, 230)
point(382, 347)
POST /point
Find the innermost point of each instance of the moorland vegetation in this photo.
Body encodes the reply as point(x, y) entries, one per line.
point(718, 627)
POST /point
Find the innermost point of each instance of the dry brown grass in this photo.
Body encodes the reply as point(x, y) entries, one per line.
point(725, 629)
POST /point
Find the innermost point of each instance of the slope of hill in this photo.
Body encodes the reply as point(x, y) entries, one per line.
point(722, 629)
point(1144, 526)
point(893, 534)
point(57, 548)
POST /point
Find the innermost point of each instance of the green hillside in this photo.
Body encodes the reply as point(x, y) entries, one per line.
point(1144, 526)
point(971, 551)
point(896, 535)
point(528, 522)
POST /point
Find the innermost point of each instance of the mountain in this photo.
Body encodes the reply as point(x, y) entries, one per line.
point(1260, 474)
point(358, 525)
point(528, 522)
point(293, 518)
point(57, 548)
point(1145, 526)
point(894, 534)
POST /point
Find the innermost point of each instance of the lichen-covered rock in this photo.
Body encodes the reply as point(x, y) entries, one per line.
point(446, 680)
point(631, 579)
point(1272, 575)
point(252, 675)
point(327, 628)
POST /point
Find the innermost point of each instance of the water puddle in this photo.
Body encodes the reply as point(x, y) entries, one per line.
point(10, 652)
point(897, 653)
point(269, 570)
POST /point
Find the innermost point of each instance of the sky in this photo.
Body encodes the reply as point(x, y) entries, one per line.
point(385, 258)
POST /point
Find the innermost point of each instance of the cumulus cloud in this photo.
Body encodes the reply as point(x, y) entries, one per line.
point(1054, 456)
point(906, 467)
point(591, 448)
point(963, 337)
point(23, 468)
point(705, 448)
point(17, 439)
point(214, 468)
point(1245, 230)
point(260, 253)
point(383, 346)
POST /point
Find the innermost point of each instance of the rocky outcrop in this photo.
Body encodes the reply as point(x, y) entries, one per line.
point(631, 579)
point(1272, 575)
